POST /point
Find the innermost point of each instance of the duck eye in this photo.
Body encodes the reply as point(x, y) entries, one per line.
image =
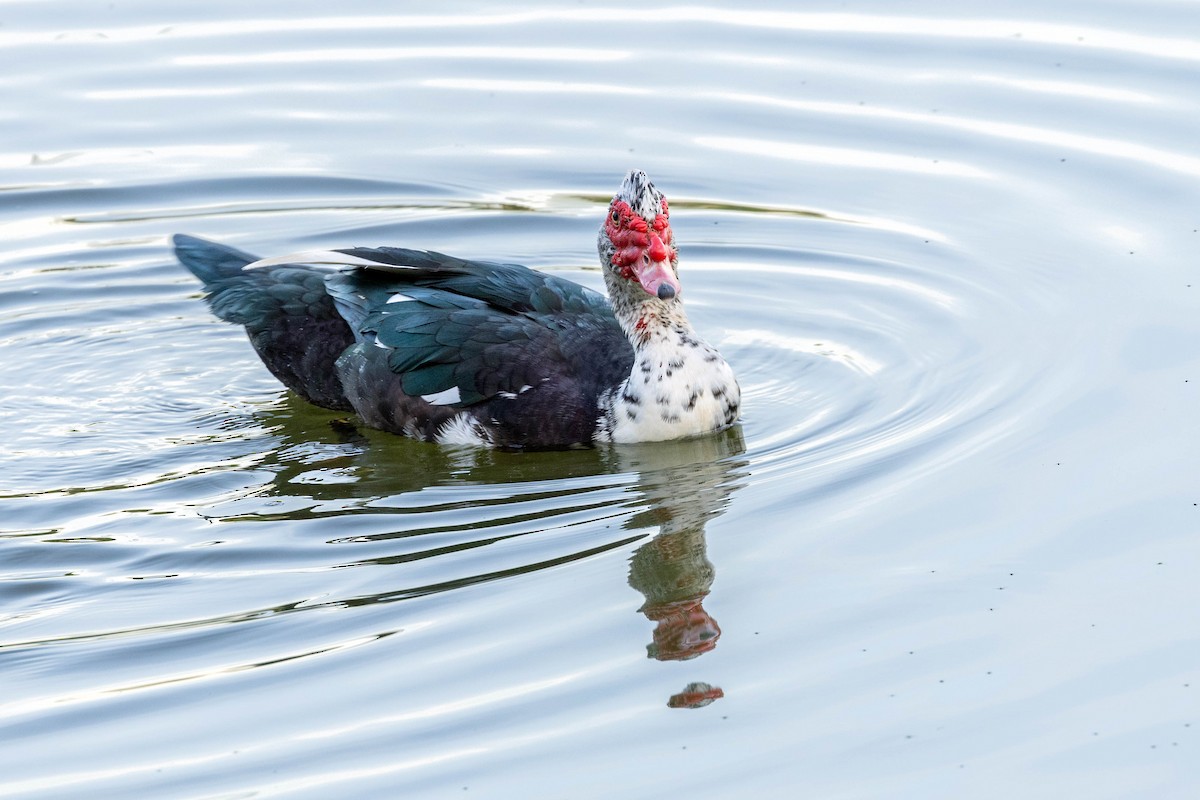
point(616, 216)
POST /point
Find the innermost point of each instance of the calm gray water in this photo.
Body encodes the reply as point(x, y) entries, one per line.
point(951, 550)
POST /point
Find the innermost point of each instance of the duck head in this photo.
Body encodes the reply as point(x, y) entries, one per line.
point(636, 244)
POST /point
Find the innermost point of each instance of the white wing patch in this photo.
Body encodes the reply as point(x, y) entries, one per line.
point(461, 429)
point(399, 297)
point(322, 258)
point(447, 397)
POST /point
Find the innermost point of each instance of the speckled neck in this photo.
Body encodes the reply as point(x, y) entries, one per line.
point(638, 312)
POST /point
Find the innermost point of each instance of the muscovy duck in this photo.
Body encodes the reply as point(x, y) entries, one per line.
point(472, 352)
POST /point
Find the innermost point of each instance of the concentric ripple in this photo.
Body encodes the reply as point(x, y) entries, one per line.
point(234, 529)
point(949, 546)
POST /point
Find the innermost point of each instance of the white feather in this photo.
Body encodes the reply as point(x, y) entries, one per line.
point(447, 397)
point(461, 429)
point(330, 259)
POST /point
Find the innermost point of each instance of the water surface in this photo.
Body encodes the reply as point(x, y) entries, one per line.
point(949, 551)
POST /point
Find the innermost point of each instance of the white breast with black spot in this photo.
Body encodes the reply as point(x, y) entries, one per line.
point(679, 386)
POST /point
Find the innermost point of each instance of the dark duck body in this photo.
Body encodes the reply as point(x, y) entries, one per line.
point(472, 352)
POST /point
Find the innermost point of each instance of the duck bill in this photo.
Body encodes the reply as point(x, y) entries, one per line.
point(657, 278)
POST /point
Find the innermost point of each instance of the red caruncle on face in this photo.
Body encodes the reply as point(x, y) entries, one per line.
point(634, 239)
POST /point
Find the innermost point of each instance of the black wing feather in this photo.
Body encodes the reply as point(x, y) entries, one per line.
point(484, 328)
point(528, 352)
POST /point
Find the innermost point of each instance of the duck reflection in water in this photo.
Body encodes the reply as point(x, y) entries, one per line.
point(675, 575)
point(685, 485)
point(681, 485)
